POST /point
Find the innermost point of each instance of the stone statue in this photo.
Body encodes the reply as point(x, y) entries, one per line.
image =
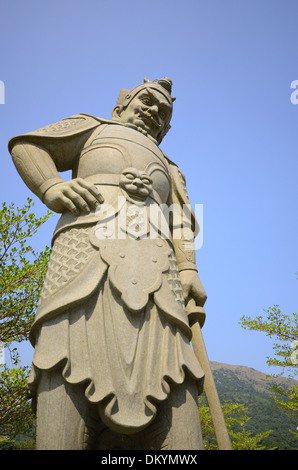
point(113, 366)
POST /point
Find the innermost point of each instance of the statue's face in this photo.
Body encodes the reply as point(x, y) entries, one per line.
point(148, 110)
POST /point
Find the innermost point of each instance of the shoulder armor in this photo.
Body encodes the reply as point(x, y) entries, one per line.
point(73, 125)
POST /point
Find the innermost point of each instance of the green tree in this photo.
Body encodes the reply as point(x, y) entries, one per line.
point(284, 328)
point(236, 420)
point(22, 271)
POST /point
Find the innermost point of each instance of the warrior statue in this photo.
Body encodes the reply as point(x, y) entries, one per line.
point(113, 365)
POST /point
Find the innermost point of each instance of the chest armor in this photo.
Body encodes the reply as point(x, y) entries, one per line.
point(112, 148)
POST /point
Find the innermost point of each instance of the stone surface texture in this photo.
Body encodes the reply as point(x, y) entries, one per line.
point(113, 366)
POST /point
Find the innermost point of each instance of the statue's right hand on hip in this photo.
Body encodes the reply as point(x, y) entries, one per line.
point(77, 196)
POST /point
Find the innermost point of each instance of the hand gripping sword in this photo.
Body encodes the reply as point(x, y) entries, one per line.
point(196, 316)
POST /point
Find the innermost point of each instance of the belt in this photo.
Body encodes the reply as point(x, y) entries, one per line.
point(109, 179)
point(112, 179)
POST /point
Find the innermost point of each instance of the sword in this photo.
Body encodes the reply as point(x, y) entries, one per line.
point(196, 316)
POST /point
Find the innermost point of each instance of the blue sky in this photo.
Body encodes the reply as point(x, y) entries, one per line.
point(234, 128)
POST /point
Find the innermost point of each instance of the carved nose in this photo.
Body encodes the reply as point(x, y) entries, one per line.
point(154, 110)
point(138, 182)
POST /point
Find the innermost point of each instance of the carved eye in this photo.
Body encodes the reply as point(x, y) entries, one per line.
point(146, 181)
point(130, 176)
point(146, 100)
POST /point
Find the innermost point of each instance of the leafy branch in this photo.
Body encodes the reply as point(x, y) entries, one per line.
point(22, 272)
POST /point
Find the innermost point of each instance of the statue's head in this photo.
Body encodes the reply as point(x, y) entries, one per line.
point(147, 107)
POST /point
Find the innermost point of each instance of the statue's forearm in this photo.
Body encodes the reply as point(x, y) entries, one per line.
point(36, 167)
point(185, 254)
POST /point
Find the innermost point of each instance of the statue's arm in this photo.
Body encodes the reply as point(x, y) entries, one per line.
point(39, 169)
point(184, 231)
point(184, 248)
point(36, 167)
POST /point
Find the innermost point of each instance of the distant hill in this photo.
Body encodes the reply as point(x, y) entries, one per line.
point(240, 384)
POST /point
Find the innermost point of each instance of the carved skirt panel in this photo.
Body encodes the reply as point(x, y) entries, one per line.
point(127, 354)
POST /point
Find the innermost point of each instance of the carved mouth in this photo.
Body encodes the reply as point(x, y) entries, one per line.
point(137, 197)
point(135, 189)
point(150, 120)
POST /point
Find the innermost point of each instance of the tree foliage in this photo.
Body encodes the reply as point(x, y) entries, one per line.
point(236, 420)
point(22, 271)
point(284, 328)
